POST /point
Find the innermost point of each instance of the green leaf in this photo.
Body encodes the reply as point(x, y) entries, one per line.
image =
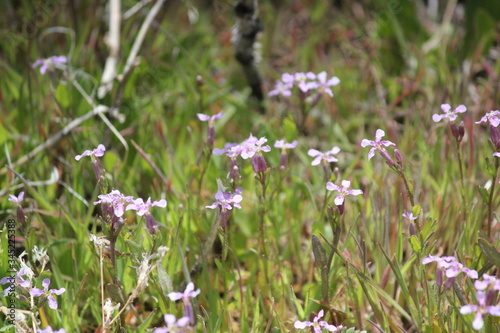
point(164, 280)
point(290, 129)
point(63, 96)
point(416, 209)
point(484, 194)
point(415, 244)
point(489, 252)
point(319, 251)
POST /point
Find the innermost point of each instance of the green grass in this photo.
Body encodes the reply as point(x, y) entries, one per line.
point(262, 274)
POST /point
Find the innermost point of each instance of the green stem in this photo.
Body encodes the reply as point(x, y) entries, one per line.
point(490, 200)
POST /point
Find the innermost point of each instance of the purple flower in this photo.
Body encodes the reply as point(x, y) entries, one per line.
point(451, 115)
point(344, 190)
point(114, 200)
point(323, 85)
point(480, 309)
point(226, 201)
point(204, 117)
point(497, 154)
point(98, 152)
point(142, 208)
point(188, 293)
point(283, 89)
point(283, 145)
point(17, 199)
point(317, 324)
point(487, 281)
point(493, 117)
point(252, 146)
point(323, 157)
point(450, 267)
point(172, 324)
point(301, 80)
point(409, 216)
point(16, 280)
point(35, 292)
point(49, 63)
point(49, 329)
point(378, 144)
point(185, 296)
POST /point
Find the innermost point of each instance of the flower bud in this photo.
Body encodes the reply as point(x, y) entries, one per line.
point(388, 158)
point(495, 137)
point(258, 163)
point(413, 229)
point(461, 130)
point(283, 161)
point(454, 131)
point(399, 157)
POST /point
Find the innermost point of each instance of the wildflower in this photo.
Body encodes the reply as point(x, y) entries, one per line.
point(344, 190)
point(283, 89)
point(172, 324)
point(188, 293)
point(482, 308)
point(232, 150)
point(284, 146)
point(17, 280)
point(17, 199)
point(35, 292)
point(493, 117)
point(142, 208)
point(226, 201)
point(252, 148)
point(114, 200)
point(21, 217)
point(98, 152)
point(450, 267)
point(211, 128)
point(49, 63)
point(323, 85)
point(317, 324)
point(487, 281)
point(325, 158)
point(450, 115)
point(409, 216)
point(379, 145)
point(301, 80)
point(49, 329)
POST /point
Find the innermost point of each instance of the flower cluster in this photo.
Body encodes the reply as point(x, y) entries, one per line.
point(226, 201)
point(114, 205)
point(486, 294)
point(306, 82)
point(448, 267)
point(250, 148)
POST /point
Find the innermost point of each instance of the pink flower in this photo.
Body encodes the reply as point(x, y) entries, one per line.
point(114, 200)
point(487, 281)
point(323, 85)
point(480, 309)
point(344, 190)
point(98, 152)
point(35, 292)
point(226, 201)
point(317, 324)
point(188, 293)
point(450, 268)
point(172, 324)
point(283, 89)
point(142, 209)
point(283, 145)
point(451, 115)
point(204, 117)
point(323, 157)
point(378, 144)
point(497, 154)
point(17, 199)
point(493, 117)
point(49, 63)
point(409, 216)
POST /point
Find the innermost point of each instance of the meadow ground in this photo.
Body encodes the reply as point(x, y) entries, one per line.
point(146, 188)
